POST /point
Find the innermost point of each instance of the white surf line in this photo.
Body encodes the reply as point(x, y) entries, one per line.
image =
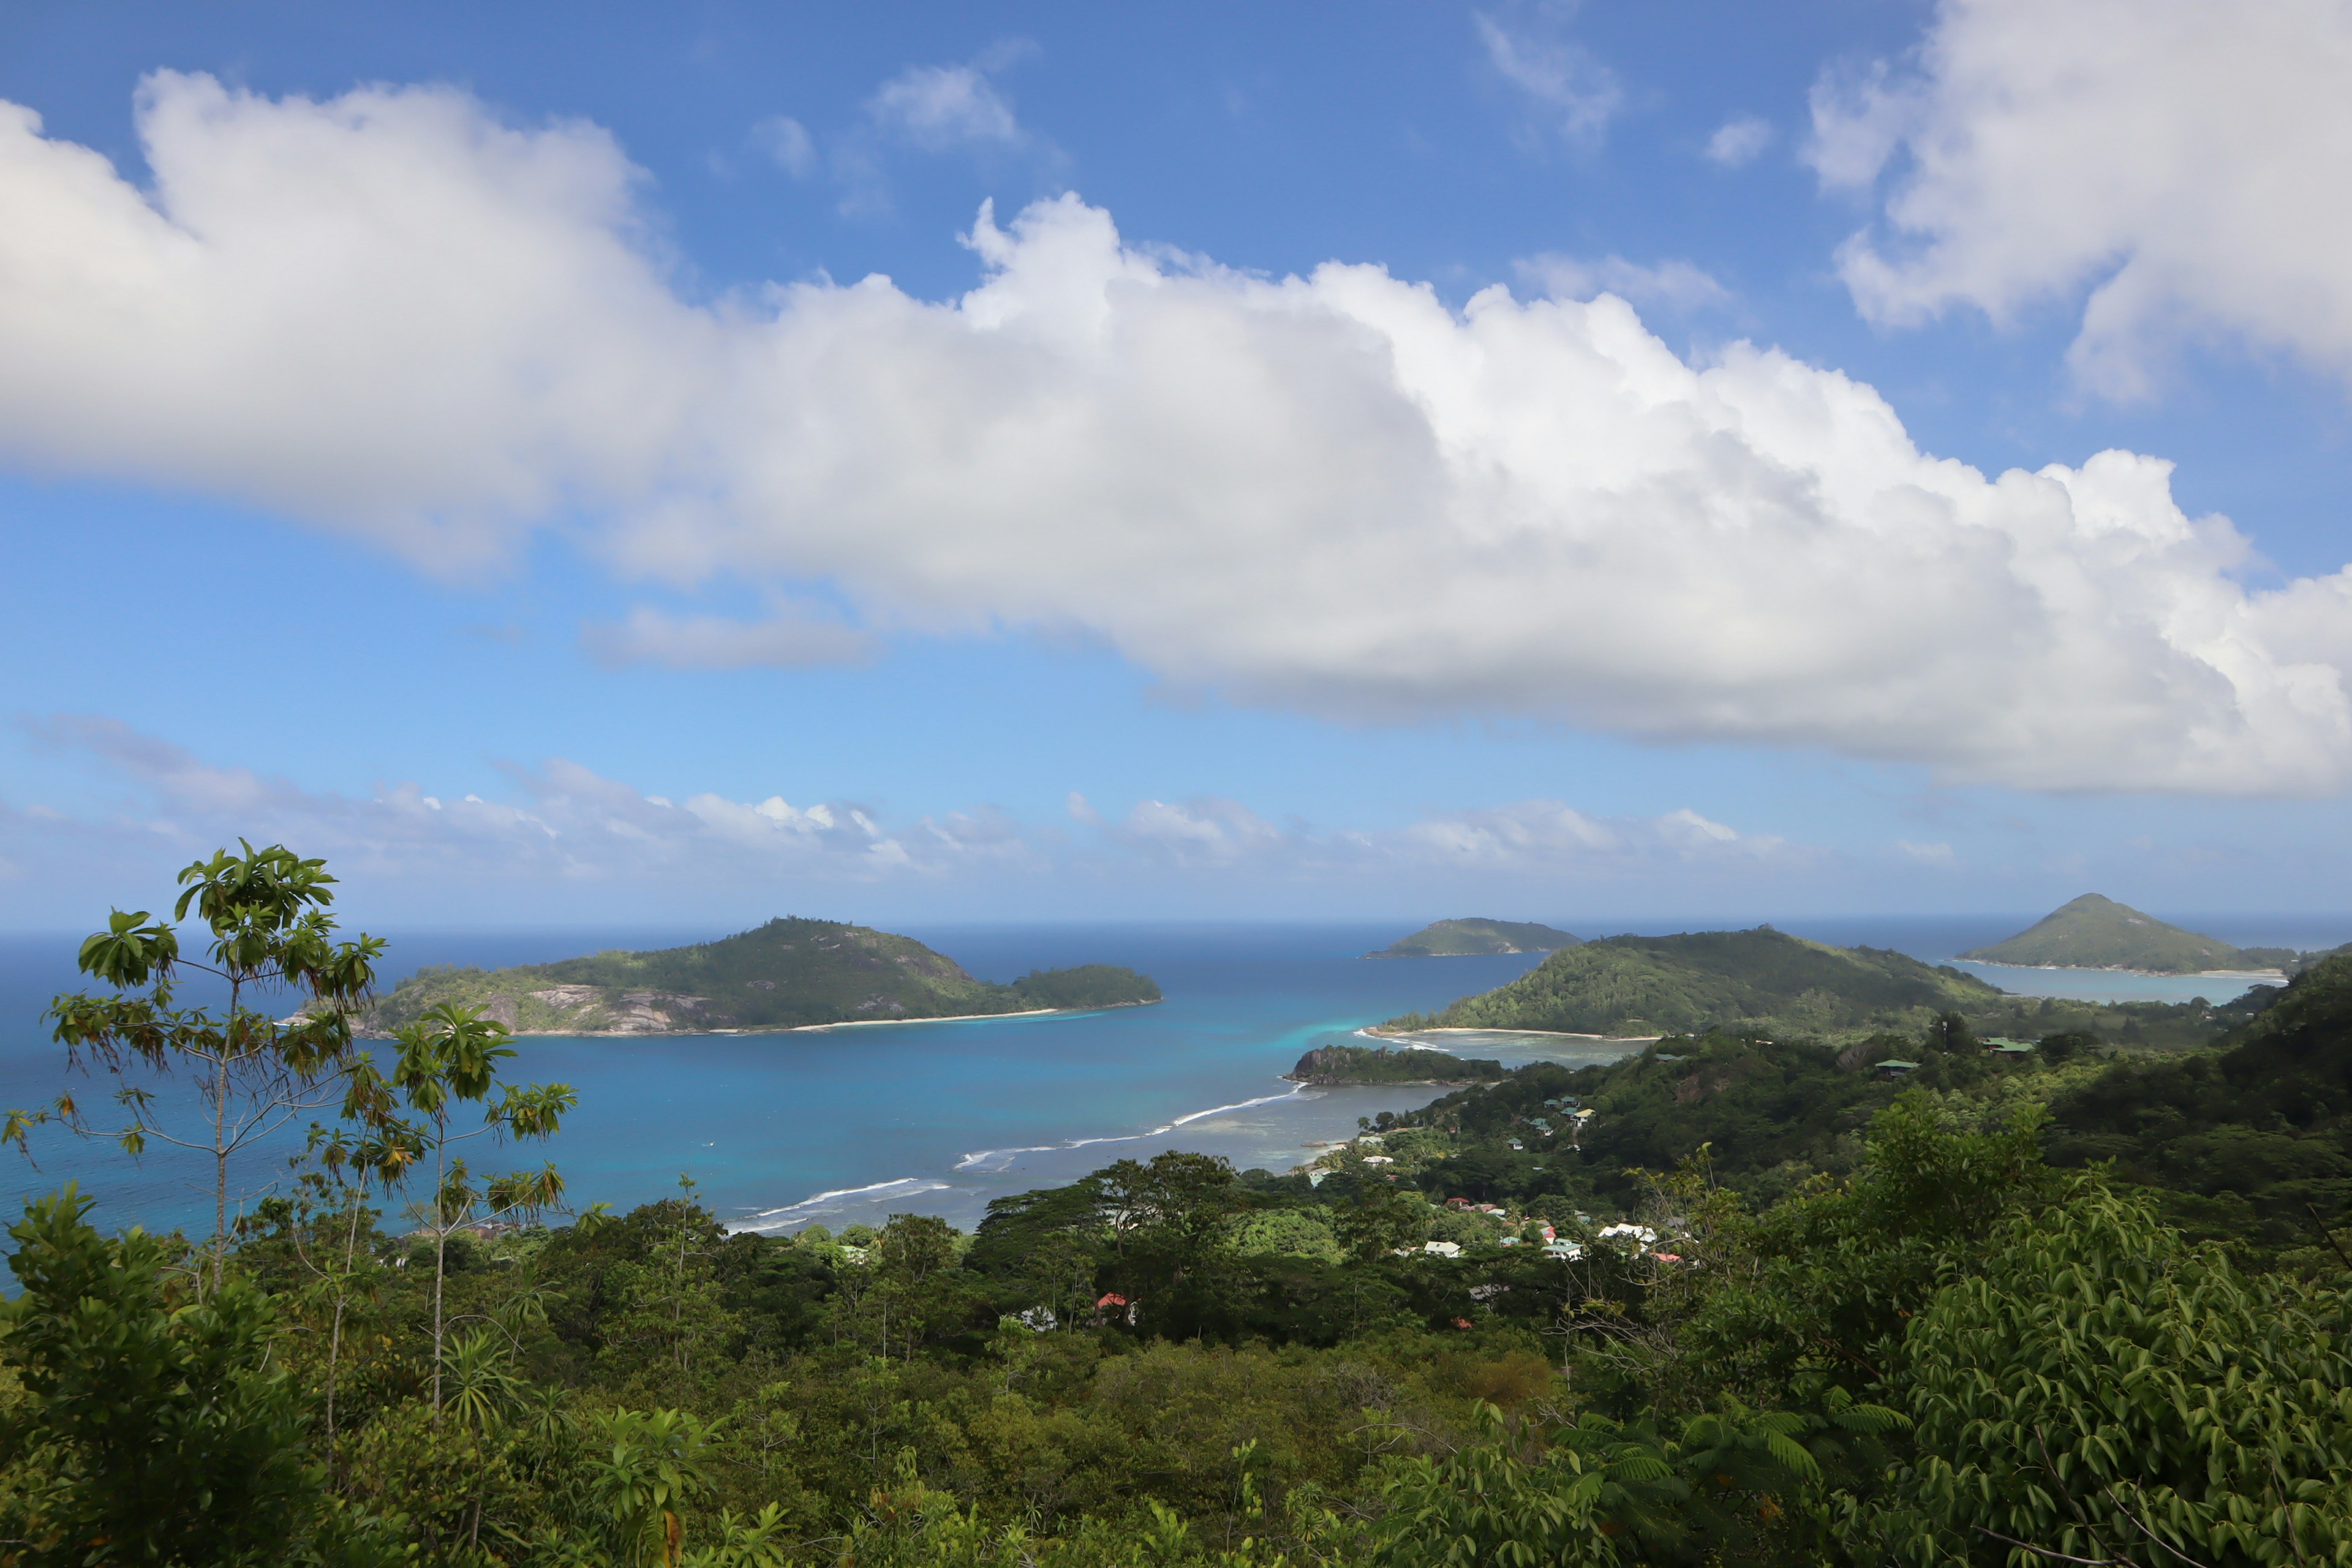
point(950, 1018)
point(1410, 1044)
point(920, 1184)
point(1290, 1093)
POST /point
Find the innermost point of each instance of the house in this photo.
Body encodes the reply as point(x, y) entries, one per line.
point(1443, 1249)
point(1891, 1068)
point(1113, 1306)
point(1378, 1160)
point(2009, 1048)
point(1566, 1251)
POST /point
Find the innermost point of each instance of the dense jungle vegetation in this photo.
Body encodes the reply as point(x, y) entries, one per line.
point(1789, 1310)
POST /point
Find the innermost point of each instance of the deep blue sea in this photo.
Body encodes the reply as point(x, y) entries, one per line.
point(857, 1123)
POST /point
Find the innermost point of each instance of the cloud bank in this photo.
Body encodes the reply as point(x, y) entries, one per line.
point(567, 834)
point(393, 315)
point(2182, 168)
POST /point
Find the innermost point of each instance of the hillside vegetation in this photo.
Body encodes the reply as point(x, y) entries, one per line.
point(1763, 979)
point(2245, 1143)
point(1766, 984)
point(1462, 938)
point(1733, 1300)
point(2094, 932)
point(1360, 1064)
point(788, 973)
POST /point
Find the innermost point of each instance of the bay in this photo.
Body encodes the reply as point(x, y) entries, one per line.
point(851, 1125)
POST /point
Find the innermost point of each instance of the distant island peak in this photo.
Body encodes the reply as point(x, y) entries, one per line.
point(2097, 932)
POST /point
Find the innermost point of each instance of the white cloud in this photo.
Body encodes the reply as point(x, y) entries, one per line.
point(1933, 854)
point(2180, 168)
point(787, 142)
point(1741, 141)
point(1579, 94)
point(1676, 284)
point(567, 825)
point(709, 642)
point(940, 107)
point(1332, 493)
point(599, 842)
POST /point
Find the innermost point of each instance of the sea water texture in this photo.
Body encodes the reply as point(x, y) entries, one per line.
point(779, 1131)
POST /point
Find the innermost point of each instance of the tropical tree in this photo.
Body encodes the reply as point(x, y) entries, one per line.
point(152, 1429)
point(253, 1072)
point(345, 1167)
point(450, 1060)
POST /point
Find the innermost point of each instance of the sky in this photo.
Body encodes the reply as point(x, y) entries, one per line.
point(899, 462)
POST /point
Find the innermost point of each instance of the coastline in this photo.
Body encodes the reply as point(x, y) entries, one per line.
point(1382, 1032)
point(788, 1028)
point(2279, 975)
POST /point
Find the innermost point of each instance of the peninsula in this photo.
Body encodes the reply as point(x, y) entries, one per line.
point(2095, 932)
point(1760, 980)
point(1334, 1064)
point(786, 974)
point(1462, 938)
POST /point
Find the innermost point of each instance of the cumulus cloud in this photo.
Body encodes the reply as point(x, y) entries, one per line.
point(393, 315)
point(2178, 167)
point(1676, 284)
point(1577, 94)
point(711, 642)
point(940, 107)
point(1739, 142)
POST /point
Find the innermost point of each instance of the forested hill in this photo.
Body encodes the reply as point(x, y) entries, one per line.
point(787, 974)
point(1761, 980)
point(1461, 938)
point(2245, 1143)
point(2095, 932)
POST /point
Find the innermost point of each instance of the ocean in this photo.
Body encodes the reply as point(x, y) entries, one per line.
point(851, 1125)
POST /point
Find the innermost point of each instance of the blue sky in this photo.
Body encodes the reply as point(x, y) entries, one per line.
point(1573, 461)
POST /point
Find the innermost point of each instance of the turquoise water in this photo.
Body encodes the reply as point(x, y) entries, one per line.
point(850, 1125)
point(854, 1125)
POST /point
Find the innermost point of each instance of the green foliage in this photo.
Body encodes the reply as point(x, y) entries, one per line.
point(1365, 1064)
point(1760, 979)
point(1456, 938)
point(1086, 985)
point(2251, 1144)
point(2098, 1388)
point(154, 1428)
point(788, 973)
point(1768, 985)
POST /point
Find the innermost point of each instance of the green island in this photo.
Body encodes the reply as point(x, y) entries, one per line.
point(1332, 1065)
point(788, 973)
point(1743, 1297)
point(1462, 938)
point(2096, 932)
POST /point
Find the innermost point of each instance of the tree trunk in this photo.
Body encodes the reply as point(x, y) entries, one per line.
point(440, 1247)
point(220, 1141)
